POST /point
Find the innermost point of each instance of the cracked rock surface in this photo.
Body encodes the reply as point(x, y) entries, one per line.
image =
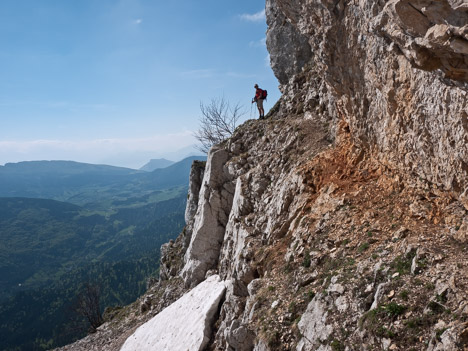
point(184, 325)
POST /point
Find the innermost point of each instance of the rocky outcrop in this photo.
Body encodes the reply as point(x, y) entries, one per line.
point(326, 248)
point(172, 253)
point(210, 221)
point(431, 34)
point(284, 34)
point(314, 328)
point(184, 325)
point(395, 71)
point(195, 182)
point(267, 200)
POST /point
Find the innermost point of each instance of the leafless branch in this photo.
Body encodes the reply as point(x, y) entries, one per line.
point(87, 305)
point(217, 123)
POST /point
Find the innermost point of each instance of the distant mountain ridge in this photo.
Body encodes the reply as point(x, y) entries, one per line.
point(66, 167)
point(88, 184)
point(156, 163)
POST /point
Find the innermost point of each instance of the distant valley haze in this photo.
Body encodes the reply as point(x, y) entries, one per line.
point(122, 153)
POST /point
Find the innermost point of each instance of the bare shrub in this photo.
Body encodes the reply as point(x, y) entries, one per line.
point(217, 123)
point(87, 305)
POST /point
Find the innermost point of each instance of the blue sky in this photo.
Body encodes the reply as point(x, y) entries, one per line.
point(121, 81)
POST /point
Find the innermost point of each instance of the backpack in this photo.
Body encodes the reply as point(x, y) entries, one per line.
point(264, 94)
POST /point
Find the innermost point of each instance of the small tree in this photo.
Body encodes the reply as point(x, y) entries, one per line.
point(87, 305)
point(217, 123)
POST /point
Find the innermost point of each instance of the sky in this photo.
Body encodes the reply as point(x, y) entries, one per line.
point(121, 81)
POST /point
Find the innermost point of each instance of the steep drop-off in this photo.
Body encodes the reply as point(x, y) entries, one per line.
point(340, 222)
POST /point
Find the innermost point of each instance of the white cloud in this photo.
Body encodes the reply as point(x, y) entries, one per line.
point(138, 21)
point(258, 43)
point(267, 61)
point(256, 17)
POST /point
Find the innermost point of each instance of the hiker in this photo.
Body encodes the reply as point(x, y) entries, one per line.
point(260, 95)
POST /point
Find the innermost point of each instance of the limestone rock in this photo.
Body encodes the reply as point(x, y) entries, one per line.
point(172, 252)
point(462, 233)
point(282, 33)
point(184, 325)
point(430, 33)
point(314, 327)
point(394, 72)
point(195, 182)
point(212, 214)
point(378, 295)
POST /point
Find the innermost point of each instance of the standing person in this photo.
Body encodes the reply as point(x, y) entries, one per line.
point(260, 95)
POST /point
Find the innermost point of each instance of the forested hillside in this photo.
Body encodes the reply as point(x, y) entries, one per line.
point(106, 230)
point(98, 187)
point(42, 240)
point(50, 249)
point(41, 318)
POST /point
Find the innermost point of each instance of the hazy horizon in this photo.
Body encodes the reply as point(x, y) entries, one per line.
point(133, 161)
point(120, 82)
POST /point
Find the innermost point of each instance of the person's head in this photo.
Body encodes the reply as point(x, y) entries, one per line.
point(256, 86)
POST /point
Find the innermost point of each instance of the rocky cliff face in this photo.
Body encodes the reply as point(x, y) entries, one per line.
point(339, 223)
point(395, 71)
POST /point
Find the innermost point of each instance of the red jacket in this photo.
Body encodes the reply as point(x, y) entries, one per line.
point(258, 94)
